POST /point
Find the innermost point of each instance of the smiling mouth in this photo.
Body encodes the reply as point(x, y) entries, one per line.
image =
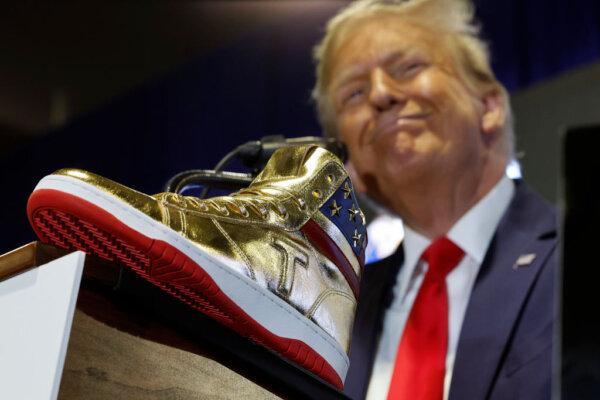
point(411, 123)
point(414, 116)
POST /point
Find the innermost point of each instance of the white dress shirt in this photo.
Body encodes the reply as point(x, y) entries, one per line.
point(473, 233)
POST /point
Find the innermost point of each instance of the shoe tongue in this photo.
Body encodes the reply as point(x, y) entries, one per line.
point(286, 163)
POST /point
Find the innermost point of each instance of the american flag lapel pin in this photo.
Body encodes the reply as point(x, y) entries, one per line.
point(524, 260)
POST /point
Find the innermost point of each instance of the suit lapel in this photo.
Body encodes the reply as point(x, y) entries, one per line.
point(375, 297)
point(526, 234)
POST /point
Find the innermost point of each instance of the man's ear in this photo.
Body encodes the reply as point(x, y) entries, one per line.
point(494, 112)
point(357, 182)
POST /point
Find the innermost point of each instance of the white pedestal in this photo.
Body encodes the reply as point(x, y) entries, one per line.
point(36, 311)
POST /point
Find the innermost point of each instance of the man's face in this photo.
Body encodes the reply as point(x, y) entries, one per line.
point(406, 117)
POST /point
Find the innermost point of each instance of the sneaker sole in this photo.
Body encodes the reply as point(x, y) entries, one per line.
point(75, 215)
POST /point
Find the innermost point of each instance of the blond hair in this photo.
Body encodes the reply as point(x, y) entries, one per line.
point(452, 18)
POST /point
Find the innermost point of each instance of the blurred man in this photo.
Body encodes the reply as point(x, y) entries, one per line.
point(464, 309)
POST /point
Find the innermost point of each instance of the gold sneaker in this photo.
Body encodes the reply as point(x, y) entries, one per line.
point(278, 262)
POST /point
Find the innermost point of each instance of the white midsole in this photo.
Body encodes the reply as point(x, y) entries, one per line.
point(260, 304)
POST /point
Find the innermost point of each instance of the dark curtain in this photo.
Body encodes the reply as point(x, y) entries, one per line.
point(532, 40)
point(190, 117)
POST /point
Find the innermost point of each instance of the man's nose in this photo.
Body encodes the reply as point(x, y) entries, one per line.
point(384, 92)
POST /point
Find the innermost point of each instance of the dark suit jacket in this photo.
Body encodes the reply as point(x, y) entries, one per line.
point(505, 345)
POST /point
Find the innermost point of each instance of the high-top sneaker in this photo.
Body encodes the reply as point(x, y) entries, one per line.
point(279, 262)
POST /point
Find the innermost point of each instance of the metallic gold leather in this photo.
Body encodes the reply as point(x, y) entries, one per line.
point(136, 199)
point(257, 231)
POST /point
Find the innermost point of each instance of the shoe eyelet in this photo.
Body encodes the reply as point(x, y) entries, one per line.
point(316, 193)
point(264, 213)
point(224, 210)
point(301, 204)
point(244, 211)
point(282, 212)
point(329, 178)
point(203, 207)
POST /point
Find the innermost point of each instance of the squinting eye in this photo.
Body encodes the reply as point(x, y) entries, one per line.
point(414, 67)
point(353, 96)
point(408, 70)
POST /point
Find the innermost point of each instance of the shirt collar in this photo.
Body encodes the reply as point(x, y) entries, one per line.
point(414, 245)
point(472, 232)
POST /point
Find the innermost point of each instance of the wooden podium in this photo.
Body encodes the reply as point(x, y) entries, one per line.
point(129, 340)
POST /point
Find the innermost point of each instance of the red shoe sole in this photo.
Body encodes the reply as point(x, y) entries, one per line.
point(73, 223)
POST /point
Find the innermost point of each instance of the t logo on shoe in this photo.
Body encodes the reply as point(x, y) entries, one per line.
point(291, 254)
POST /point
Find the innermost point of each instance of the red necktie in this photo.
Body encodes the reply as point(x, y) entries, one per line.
point(421, 360)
